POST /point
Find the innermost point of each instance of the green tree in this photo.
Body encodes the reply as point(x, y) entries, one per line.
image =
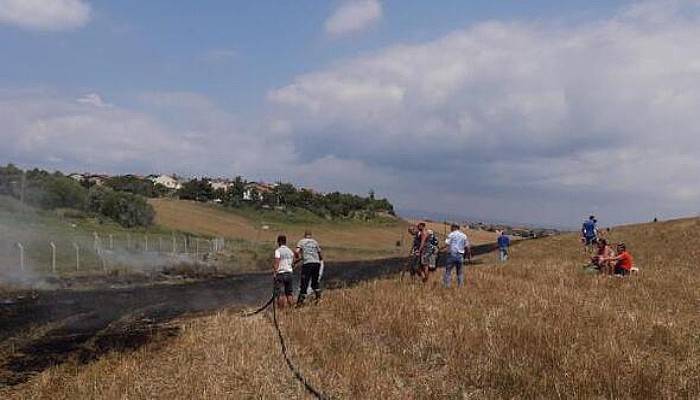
point(197, 189)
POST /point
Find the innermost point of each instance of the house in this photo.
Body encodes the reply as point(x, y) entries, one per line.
point(77, 176)
point(91, 179)
point(221, 184)
point(256, 190)
point(97, 180)
point(168, 181)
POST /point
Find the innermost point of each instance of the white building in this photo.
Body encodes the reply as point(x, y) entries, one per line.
point(222, 184)
point(168, 181)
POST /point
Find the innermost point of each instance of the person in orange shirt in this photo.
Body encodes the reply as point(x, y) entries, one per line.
point(623, 261)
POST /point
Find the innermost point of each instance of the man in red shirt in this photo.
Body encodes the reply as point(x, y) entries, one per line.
point(623, 261)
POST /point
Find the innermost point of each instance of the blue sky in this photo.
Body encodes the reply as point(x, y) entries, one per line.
point(533, 111)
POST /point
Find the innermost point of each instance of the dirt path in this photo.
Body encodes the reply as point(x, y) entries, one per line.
point(51, 327)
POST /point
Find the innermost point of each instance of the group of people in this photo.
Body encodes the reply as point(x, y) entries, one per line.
point(426, 247)
point(606, 260)
point(308, 253)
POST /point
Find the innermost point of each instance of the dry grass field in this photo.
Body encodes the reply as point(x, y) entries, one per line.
point(347, 240)
point(536, 327)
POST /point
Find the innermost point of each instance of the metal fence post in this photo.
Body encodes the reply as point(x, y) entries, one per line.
point(196, 252)
point(95, 241)
point(21, 256)
point(111, 242)
point(145, 242)
point(53, 257)
point(77, 256)
point(174, 245)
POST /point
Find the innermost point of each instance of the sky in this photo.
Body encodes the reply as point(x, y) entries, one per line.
point(532, 111)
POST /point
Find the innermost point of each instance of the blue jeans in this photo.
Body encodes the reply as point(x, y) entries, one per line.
point(454, 261)
point(504, 253)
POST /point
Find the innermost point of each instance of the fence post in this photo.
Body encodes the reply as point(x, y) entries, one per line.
point(196, 252)
point(184, 240)
point(128, 241)
point(111, 242)
point(21, 256)
point(174, 245)
point(160, 244)
point(53, 257)
point(95, 240)
point(104, 261)
point(77, 256)
point(145, 242)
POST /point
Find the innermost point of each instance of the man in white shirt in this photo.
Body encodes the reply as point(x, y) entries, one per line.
point(282, 272)
point(457, 246)
point(309, 252)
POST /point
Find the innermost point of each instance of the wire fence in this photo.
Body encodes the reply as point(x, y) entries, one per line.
point(63, 254)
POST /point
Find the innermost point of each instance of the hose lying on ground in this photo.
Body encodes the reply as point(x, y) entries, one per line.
point(297, 374)
point(261, 309)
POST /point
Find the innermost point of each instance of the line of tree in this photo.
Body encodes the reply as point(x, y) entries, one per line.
point(122, 198)
point(53, 190)
point(285, 195)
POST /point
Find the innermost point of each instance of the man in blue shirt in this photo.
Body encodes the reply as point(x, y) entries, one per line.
point(589, 231)
point(503, 244)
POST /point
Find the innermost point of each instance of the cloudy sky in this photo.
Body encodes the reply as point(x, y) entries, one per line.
point(532, 111)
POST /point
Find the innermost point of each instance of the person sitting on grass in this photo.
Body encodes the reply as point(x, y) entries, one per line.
point(624, 263)
point(601, 259)
point(282, 273)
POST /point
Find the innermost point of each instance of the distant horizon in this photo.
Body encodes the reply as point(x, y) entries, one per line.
point(403, 212)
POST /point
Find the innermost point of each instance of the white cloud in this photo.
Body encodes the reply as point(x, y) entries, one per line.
point(179, 131)
point(353, 16)
point(93, 99)
point(45, 15)
point(605, 109)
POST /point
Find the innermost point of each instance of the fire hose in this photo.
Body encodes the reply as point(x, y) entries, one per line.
point(283, 345)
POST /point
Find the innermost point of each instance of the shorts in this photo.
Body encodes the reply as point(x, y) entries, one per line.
point(415, 264)
point(432, 262)
point(283, 281)
point(425, 259)
point(621, 271)
point(591, 240)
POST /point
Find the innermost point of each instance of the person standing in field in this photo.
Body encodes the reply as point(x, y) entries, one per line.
point(414, 258)
point(503, 246)
point(423, 252)
point(309, 252)
point(282, 273)
point(433, 247)
point(456, 249)
point(589, 231)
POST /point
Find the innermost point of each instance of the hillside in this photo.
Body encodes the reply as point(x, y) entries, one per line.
point(537, 327)
point(366, 238)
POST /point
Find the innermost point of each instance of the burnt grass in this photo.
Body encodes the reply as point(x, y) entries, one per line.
point(39, 329)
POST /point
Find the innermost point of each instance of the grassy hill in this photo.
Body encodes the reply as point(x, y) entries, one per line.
point(344, 240)
point(536, 327)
